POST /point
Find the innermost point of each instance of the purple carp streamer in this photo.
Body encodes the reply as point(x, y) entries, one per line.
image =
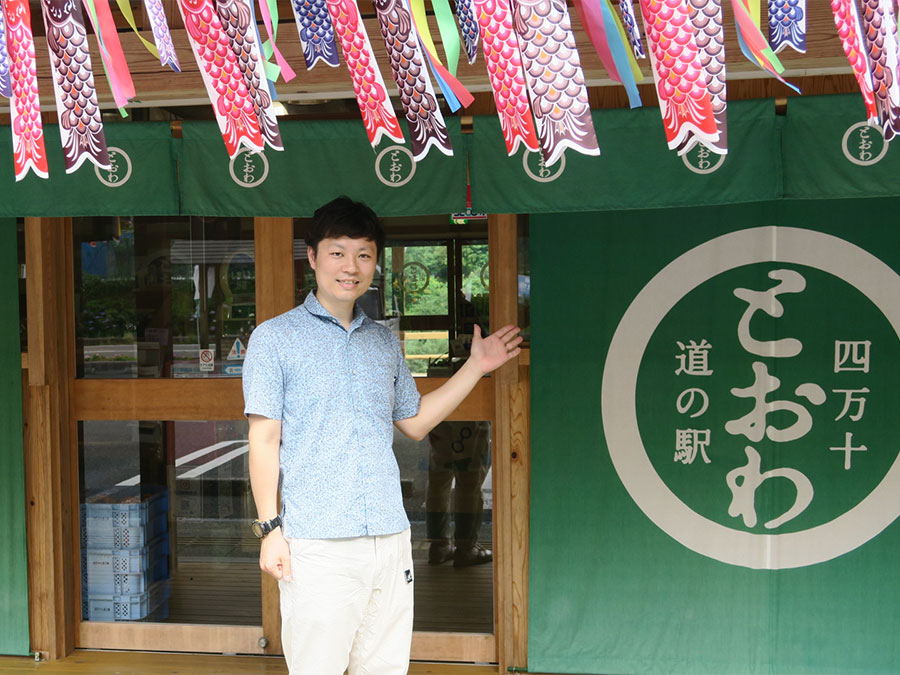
point(236, 17)
point(316, 32)
point(161, 36)
point(553, 73)
point(5, 85)
point(787, 25)
point(80, 122)
point(880, 38)
point(423, 115)
point(631, 27)
point(709, 31)
point(468, 26)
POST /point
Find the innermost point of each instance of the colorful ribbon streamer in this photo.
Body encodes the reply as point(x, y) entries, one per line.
point(608, 37)
point(316, 32)
point(125, 8)
point(111, 52)
point(423, 114)
point(80, 121)
point(269, 11)
point(454, 92)
point(787, 25)
point(29, 153)
point(555, 80)
point(507, 77)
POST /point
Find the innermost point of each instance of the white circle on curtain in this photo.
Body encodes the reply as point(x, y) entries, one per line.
point(701, 160)
point(119, 171)
point(537, 170)
point(864, 144)
point(846, 261)
point(395, 166)
point(249, 169)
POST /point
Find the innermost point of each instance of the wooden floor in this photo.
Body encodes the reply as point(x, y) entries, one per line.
point(86, 662)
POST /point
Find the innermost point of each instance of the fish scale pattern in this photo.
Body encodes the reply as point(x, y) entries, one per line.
point(846, 18)
point(880, 34)
point(504, 65)
point(368, 85)
point(236, 16)
point(787, 25)
point(468, 26)
point(626, 7)
point(684, 100)
point(80, 121)
point(161, 35)
point(423, 115)
point(25, 110)
point(316, 32)
point(709, 31)
point(555, 80)
point(222, 77)
point(5, 87)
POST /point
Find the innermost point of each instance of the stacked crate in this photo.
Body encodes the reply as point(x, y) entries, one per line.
point(124, 557)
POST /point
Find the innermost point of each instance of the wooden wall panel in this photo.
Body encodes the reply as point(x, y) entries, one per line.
point(49, 469)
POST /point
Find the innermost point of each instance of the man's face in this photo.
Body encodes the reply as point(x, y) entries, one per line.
point(344, 268)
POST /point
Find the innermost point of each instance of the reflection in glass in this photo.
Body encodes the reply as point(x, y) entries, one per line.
point(446, 482)
point(172, 297)
point(524, 264)
point(165, 507)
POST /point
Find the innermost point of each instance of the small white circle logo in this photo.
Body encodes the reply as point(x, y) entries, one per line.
point(395, 166)
point(249, 169)
point(537, 169)
point(835, 537)
point(119, 171)
point(701, 160)
point(864, 144)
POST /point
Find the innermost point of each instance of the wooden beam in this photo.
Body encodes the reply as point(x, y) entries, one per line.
point(511, 395)
point(51, 518)
point(274, 247)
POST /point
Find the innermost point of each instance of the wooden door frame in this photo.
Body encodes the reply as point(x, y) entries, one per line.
point(55, 402)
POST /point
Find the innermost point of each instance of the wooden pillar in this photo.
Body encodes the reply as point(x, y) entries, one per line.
point(51, 472)
point(511, 457)
point(274, 251)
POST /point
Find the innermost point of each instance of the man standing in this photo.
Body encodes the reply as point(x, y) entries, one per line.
point(322, 385)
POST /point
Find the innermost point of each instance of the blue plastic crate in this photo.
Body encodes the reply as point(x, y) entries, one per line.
point(126, 607)
point(127, 524)
point(102, 581)
point(101, 567)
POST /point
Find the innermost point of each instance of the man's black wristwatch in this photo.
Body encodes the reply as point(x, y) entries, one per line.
point(261, 528)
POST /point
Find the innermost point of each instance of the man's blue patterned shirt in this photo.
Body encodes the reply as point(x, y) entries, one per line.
point(336, 393)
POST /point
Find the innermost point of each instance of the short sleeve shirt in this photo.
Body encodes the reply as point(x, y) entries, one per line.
point(336, 392)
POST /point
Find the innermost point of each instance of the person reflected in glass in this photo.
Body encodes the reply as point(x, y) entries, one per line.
point(460, 454)
point(322, 385)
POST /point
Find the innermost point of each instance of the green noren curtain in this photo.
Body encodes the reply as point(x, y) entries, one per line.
point(321, 160)
point(143, 183)
point(13, 559)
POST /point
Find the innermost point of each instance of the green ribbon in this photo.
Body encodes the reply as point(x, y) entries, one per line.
point(449, 33)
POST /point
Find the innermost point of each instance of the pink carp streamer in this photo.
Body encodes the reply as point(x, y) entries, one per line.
point(504, 65)
point(80, 122)
point(709, 31)
point(222, 76)
point(237, 22)
point(161, 35)
point(681, 82)
point(555, 80)
point(24, 107)
point(368, 85)
point(846, 18)
point(316, 32)
point(423, 114)
point(880, 34)
point(787, 25)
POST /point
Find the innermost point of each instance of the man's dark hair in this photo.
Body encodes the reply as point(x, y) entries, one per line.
point(343, 217)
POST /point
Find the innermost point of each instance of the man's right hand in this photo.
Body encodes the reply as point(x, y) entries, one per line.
point(275, 555)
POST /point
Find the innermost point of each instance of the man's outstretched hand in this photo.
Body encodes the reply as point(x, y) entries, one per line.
point(496, 349)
